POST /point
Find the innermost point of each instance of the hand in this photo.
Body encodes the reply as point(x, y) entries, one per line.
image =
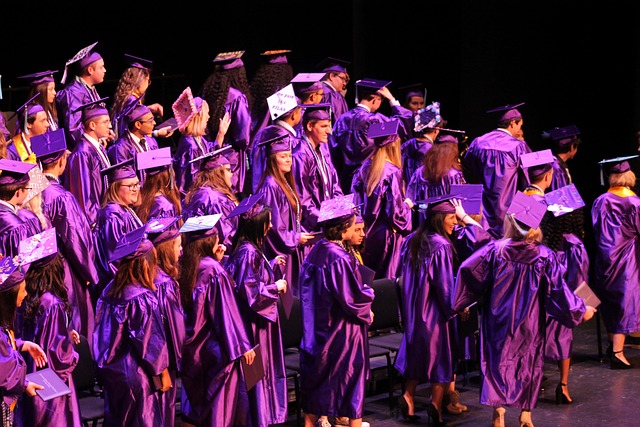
point(36, 352)
point(386, 93)
point(282, 285)
point(305, 237)
point(589, 313)
point(223, 128)
point(219, 252)
point(32, 387)
point(457, 203)
point(75, 336)
point(166, 381)
point(372, 316)
point(409, 203)
point(156, 109)
point(165, 132)
point(249, 357)
point(465, 314)
point(280, 260)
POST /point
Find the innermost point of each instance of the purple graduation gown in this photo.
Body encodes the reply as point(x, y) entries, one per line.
point(76, 244)
point(13, 369)
point(561, 175)
point(53, 334)
point(125, 148)
point(427, 351)
point(168, 294)
point(386, 216)
point(284, 237)
point(258, 296)
point(616, 228)
point(413, 151)
point(83, 179)
point(316, 181)
point(113, 222)
point(161, 207)
point(213, 391)
point(334, 351)
point(420, 189)
point(14, 228)
point(336, 99)
point(518, 282)
point(207, 201)
point(68, 100)
point(130, 348)
point(492, 160)
point(238, 136)
point(189, 148)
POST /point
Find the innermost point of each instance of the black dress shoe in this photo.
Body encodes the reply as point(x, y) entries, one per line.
point(616, 363)
point(404, 410)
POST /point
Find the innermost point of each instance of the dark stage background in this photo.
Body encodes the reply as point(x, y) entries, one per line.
point(570, 62)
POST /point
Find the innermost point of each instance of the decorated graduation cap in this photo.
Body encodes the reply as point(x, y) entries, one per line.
point(132, 245)
point(49, 146)
point(229, 60)
point(526, 210)
point(120, 171)
point(160, 230)
point(428, 117)
point(154, 161)
point(282, 102)
point(26, 110)
point(563, 200)
point(304, 83)
point(137, 62)
point(84, 57)
point(470, 195)
point(93, 109)
point(276, 56)
point(614, 166)
point(248, 208)
point(416, 89)
point(366, 87)
point(213, 159)
point(562, 136)
point(537, 163)
point(41, 248)
point(11, 273)
point(383, 133)
point(40, 77)
point(320, 111)
point(340, 207)
point(14, 172)
point(37, 183)
point(440, 204)
point(200, 227)
point(277, 144)
point(507, 112)
point(335, 65)
point(185, 108)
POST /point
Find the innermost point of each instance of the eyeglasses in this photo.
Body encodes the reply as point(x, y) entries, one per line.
point(131, 187)
point(104, 122)
point(148, 120)
point(345, 79)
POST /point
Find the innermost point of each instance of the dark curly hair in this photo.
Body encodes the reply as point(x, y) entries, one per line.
point(267, 80)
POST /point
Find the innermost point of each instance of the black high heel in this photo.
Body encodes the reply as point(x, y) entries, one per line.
point(434, 416)
point(616, 363)
point(562, 398)
point(404, 410)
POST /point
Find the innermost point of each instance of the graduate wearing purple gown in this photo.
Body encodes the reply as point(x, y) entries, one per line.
point(336, 314)
point(129, 342)
point(238, 136)
point(520, 280)
point(420, 189)
point(335, 85)
point(413, 151)
point(492, 160)
point(214, 393)
point(386, 212)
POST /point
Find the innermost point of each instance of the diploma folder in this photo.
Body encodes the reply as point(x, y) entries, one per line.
point(587, 294)
point(254, 372)
point(52, 383)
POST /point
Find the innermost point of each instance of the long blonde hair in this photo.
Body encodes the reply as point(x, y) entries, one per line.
point(381, 155)
point(198, 126)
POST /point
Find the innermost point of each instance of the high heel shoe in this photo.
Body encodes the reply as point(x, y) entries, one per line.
point(452, 403)
point(525, 419)
point(404, 410)
point(616, 363)
point(498, 417)
point(562, 398)
point(434, 416)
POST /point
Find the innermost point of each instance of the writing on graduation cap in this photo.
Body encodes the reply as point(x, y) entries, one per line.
point(282, 101)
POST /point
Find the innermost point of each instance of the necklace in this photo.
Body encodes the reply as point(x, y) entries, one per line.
point(340, 243)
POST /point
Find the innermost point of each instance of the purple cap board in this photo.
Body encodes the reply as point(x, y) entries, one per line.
point(132, 245)
point(153, 159)
point(120, 171)
point(10, 273)
point(507, 112)
point(330, 64)
point(160, 230)
point(38, 246)
point(248, 208)
point(537, 163)
point(317, 112)
point(14, 172)
point(137, 62)
point(470, 195)
point(213, 159)
point(49, 145)
point(563, 200)
point(84, 57)
point(383, 133)
point(307, 82)
point(93, 109)
point(366, 87)
point(40, 77)
point(565, 135)
point(27, 109)
point(338, 207)
point(437, 205)
point(614, 166)
point(200, 227)
point(527, 210)
point(277, 144)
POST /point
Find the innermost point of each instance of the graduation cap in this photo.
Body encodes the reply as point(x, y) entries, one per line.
point(137, 62)
point(428, 117)
point(336, 208)
point(185, 108)
point(507, 112)
point(446, 139)
point(37, 183)
point(11, 274)
point(282, 102)
point(277, 144)
point(137, 112)
point(214, 159)
point(335, 65)
point(40, 77)
point(132, 245)
point(120, 171)
point(416, 89)
point(304, 83)
point(276, 56)
point(470, 195)
point(84, 57)
point(39, 246)
point(14, 172)
point(248, 208)
point(160, 230)
point(26, 110)
point(200, 227)
point(537, 163)
point(154, 161)
point(564, 135)
point(563, 200)
point(614, 166)
point(383, 133)
point(229, 60)
point(320, 111)
point(93, 109)
point(526, 210)
point(366, 87)
point(49, 146)
point(440, 204)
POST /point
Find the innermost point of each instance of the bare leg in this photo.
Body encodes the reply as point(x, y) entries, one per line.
point(525, 418)
point(310, 420)
point(355, 422)
point(498, 416)
point(618, 346)
point(564, 366)
point(409, 392)
point(437, 393)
